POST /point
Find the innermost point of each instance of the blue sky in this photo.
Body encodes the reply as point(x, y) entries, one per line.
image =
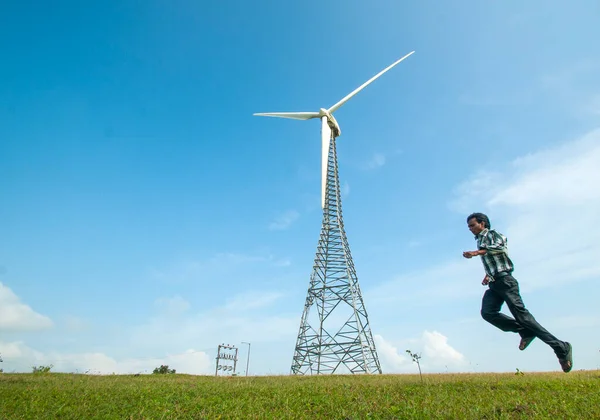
point(146, 216)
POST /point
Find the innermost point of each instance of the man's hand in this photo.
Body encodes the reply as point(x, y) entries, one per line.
point(486, 280)
point(470, 254)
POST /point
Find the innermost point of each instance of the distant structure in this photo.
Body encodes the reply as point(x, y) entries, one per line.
point(227, 357)
point(336, 338)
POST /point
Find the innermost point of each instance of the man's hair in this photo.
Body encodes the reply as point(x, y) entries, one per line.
point(481, 218)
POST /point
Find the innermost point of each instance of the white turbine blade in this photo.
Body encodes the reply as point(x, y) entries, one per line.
point(364, 85)
point(325, 140)
point(292, 115)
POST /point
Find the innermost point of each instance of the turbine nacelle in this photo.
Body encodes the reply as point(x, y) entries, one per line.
point(336, 131)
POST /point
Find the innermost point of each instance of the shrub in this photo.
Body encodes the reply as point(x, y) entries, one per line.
point(163, 369)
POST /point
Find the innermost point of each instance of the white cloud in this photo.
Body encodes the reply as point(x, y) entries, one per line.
point(376, 161)
point(284, 220)
point(390, 358)
point(17, 316)
point(21, 358)
point(547, 204)
point(436, 348)
point(436, 354)
point(468, 194)
point(565, 175)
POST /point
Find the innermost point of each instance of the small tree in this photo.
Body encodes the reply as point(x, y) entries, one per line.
point(163, 369)
point(415, 358)
point(42, 369)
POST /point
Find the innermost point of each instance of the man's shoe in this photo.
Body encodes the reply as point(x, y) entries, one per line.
point(567, 363)
point(525, 341)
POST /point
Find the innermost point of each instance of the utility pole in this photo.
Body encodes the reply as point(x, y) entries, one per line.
point(248, 358)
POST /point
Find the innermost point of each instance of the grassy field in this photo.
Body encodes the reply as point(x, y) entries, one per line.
point(463, 396)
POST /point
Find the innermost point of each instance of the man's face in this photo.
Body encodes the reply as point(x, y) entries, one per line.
point(474, 226)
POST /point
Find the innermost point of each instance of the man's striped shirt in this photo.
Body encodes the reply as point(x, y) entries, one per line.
point(496, 259)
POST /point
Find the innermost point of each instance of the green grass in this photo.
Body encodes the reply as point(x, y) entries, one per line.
point(447, 396)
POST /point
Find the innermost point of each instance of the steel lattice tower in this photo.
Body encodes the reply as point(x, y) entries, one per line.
point(334, 335)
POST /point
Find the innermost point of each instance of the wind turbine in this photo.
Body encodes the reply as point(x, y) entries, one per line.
point(329, 126)
point(343, 342)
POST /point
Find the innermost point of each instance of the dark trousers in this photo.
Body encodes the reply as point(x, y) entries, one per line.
point(506, 289)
